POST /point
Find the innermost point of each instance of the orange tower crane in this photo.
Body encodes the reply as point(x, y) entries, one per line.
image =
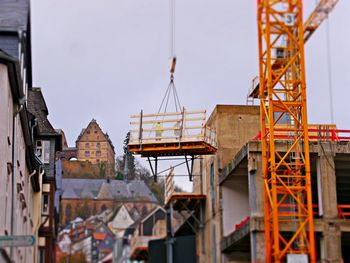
point(286, 168)
point(282, 92)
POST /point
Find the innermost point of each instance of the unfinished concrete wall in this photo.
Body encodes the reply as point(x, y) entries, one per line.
point(234, 126)
point(256, 203)
point(235, 203)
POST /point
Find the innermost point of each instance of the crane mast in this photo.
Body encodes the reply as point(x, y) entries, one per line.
point(289, 226)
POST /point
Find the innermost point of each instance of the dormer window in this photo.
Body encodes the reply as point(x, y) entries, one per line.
point(42, 150)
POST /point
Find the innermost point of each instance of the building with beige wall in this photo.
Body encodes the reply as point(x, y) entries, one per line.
point(95, 146)
point(47, 144)
point(234, 126)
point(19, 168)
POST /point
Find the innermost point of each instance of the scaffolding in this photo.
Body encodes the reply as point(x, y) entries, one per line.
point(171, 134)
point(166, 135)
point(189, 205)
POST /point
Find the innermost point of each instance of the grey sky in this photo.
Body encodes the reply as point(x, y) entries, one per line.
point(108, 59)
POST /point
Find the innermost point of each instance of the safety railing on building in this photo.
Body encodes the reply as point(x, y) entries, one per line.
point(169, 185)
point(316, 133)
point(344, 211)
point(288, 210)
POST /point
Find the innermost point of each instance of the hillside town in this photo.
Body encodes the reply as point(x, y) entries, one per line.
point(250, 182)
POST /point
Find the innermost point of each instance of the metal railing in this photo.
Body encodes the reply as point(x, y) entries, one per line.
point(169, 185)
point(184, 126)
point(344, 211)
point(316, 133)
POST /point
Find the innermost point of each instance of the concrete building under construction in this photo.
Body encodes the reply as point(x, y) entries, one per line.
point(229, 224)
point(269, 187)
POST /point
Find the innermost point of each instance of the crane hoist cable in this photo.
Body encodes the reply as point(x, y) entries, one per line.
point(172, 28)
point(329, 65)
point(171, 90)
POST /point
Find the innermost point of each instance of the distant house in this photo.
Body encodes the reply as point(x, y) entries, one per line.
point(121, 221)
point(95, 146)
point(86, 197)
point(64, 243)
point(102, 242)
point(84, 245)
point(90, 238)
point(151, 227)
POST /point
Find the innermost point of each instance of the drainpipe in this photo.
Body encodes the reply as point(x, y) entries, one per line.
point(30, 176)
point(14, 167)
point(34, 125)
point(36, 228)
point(170, 234)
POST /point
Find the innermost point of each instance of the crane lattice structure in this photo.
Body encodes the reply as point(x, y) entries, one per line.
point(286, 171)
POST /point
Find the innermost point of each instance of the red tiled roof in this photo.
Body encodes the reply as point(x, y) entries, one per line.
point(99, 236)
point(105, 251)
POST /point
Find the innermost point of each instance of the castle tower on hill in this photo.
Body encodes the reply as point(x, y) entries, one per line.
point(95, 146)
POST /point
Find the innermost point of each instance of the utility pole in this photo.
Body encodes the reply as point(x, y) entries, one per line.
point(170, 234)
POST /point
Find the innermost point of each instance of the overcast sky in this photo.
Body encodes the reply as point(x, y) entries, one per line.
point(108, 59)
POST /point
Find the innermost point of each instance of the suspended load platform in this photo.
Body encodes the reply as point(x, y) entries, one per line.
point(171, 134)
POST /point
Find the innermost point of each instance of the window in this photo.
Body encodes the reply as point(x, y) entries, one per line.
point(87, 153)
point(45, 204)
point(87, 145)
point(42, 150)
point(98, 145)
point(212, 186)
point(98, 153)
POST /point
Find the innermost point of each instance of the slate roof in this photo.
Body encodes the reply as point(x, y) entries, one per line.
point(99, 189)
point(104, 192)
point(14, 15)
point(37, 107)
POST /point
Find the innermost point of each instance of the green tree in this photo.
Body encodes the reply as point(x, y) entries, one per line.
point(102, 169)
point(135, 170)
point(128, 159)
point(119, 175)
